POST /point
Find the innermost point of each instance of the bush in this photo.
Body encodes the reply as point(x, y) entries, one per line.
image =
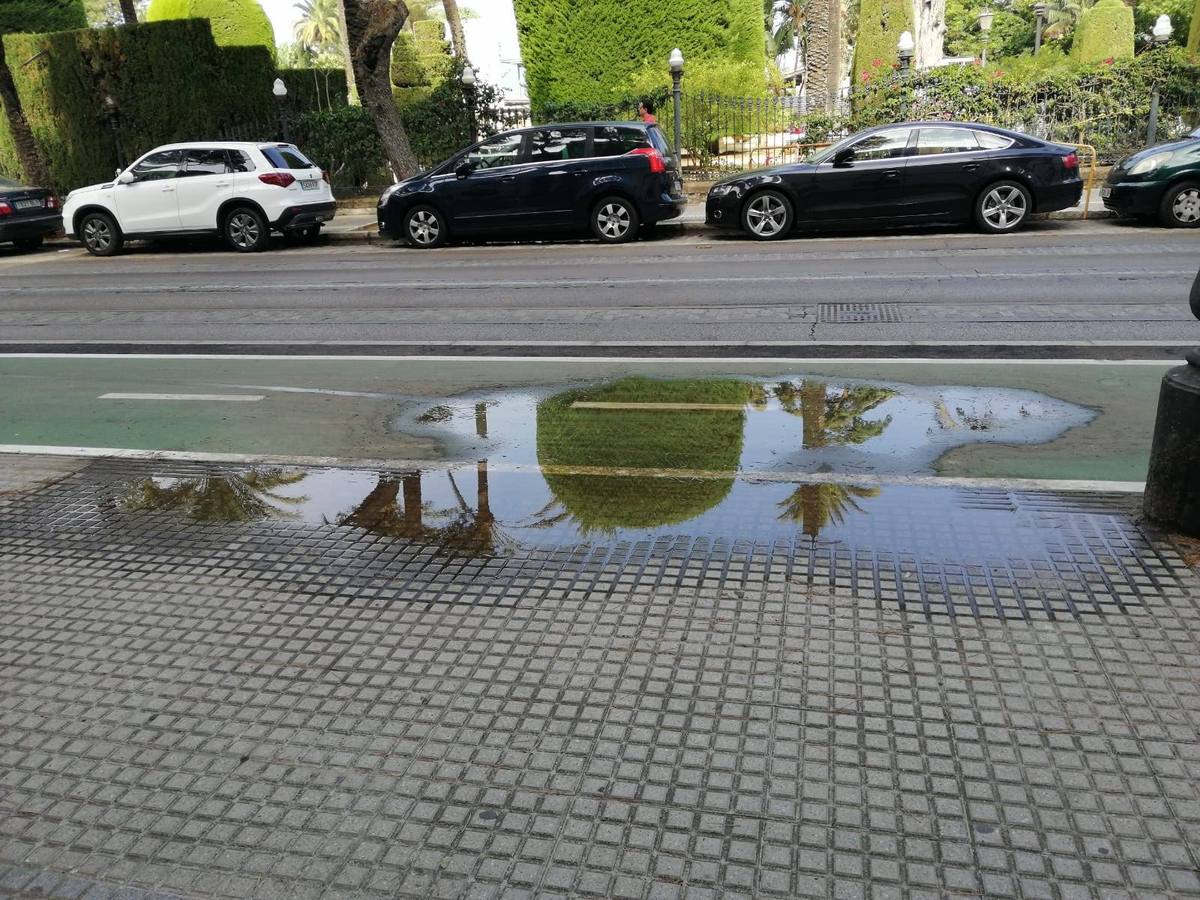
point(441, 124)
point(344, 141)
point(880, 23)
point(1193, 44)
point(313, 90)
point(235, 23)
point(1012, 29)
point(1105, 32)
point(591, 51)
point(17, 16)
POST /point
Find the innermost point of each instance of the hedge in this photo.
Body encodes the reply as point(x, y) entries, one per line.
point(235, 23)
point(592, 51)
point(314, 89)
point(1193, 44)
point(880, 23)
point(1105, 32)
point(41, 15)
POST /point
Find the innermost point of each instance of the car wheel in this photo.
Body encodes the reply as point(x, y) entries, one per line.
point(614, 220)
point(100, 234)
point(246, 231)
point(29, 244)
point(1181, 206)
point(425, 228)
point(1002, 207)
point(767, 215)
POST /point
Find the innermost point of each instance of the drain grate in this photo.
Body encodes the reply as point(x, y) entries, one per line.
point(857, 313)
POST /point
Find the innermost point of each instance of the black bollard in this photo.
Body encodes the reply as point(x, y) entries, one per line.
point(1173, 483)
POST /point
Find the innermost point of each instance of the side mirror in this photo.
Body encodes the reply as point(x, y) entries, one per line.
point(843, 157)
point(464, 169)
point(126, 177)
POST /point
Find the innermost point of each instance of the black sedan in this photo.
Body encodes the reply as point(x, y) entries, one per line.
point(906, 174)
point(616, 179)
point(27, 215)
point(1162, 181)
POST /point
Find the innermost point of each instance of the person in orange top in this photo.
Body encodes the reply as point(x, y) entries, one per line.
point(646, 112)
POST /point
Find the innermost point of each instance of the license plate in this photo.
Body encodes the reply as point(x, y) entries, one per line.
point(310, 185)
point(1105, 193)
point(28, 204)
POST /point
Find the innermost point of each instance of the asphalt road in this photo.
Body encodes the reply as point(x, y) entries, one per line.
point(1079, 286)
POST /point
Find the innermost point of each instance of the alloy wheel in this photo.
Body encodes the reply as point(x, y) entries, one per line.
point(613, 220)
point(1004, 207)
point(766, 215)
point(1186, 207)
point(424, 227)
point(97, 235)
point(243, 230)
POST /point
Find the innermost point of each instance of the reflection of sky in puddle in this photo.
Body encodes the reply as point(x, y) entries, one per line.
point(915, 426)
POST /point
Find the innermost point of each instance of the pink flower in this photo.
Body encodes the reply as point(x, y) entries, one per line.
point(876, 63)
point(1109, 61)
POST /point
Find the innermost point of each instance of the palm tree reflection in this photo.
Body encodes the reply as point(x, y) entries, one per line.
point(218, 497)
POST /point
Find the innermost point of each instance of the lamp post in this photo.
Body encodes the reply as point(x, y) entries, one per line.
point(904, 50)
point(279, 89)
point(112, 116)
point(1158, 38)
point(468, 82)
point(1039, 12)
point(676, 64)
point(985, 25)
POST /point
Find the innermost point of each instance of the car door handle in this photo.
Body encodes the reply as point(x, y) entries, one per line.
point(224, 183)
point(168, 190)
point(891, 173)
point(970, 167)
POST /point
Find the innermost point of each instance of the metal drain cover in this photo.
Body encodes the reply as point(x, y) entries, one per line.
point(857, 313)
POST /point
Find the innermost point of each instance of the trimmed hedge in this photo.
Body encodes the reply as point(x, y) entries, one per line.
point(591, 51)
point(1105, 32)
point(18, 16)
point(880, 23)
point(314, 89)
point(235, 23)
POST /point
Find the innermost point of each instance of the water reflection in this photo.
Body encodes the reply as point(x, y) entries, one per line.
point(218, 497)
point(815, 506)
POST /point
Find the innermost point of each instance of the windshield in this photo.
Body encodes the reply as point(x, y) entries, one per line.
point(6, 185)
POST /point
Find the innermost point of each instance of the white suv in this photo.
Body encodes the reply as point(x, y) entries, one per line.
point(243, 191)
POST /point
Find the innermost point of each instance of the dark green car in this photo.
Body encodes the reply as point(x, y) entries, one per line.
point(1162, 181)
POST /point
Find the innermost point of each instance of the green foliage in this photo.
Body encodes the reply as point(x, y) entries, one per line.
point(443, 122)
point(590, 51)
point(1105, 32)
point(880, 23)
point(421, 60)
point(1012, 28)
point(18, 16)
point(1193, 44)
point(1146, 12)
point(344, 141)
point(314, 89)
point(235, 23)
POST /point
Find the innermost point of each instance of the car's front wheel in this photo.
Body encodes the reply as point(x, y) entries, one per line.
point(29, 244)
point(1181, 206)
point(100, 234)
point(425, 228)
point(246, 231)
point(614, 220)
point(1003, 207)
point(767, 216)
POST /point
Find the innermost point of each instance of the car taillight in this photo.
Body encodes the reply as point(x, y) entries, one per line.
point(5, 209)
point(325, 175)
point(657, 162)
point(50, 202)
point(279, 179)
point(1071, 161)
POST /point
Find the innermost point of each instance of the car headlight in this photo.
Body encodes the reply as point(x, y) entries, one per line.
point(720, 190)
point(389, 191)
point(1150, 163)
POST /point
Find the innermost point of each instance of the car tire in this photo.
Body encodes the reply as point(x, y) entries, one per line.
point(1003, 207)
point(767, 216)
point(29, 244)
point(1180, 206)
point(424, 228)
point(614, 220)
point(246, 230)
point(100, 234)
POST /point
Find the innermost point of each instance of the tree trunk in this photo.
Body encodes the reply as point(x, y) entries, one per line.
point(129, 12)
point(28, 152)
point(833, 73)
point(351, 86)
point(929, 32)
point(816, 60)
point(457, 37)
point(371, 27)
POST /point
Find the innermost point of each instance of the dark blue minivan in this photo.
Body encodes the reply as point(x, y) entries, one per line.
point(616, 179)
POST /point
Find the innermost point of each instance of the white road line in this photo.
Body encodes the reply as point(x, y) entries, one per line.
point(1020, 484)
point(215, 398)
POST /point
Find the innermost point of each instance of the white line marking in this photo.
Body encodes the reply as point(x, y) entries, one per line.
point(1030, 484)
point(369, 395)
point(216, 398)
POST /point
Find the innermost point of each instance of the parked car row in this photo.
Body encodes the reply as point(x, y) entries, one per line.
point(617, 180)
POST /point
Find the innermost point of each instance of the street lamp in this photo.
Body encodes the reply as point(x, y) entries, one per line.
point(1159, 36)
point(113, 116)
point(904, 49)
point(1163, 29)
point(985, 25)
point(279, 89)
point(1039, 12)
point(676, 64)
point(468, 82)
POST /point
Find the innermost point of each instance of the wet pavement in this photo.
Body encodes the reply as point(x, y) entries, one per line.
point(722, 634)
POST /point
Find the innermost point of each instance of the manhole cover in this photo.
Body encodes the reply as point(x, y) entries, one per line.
point(851, 313)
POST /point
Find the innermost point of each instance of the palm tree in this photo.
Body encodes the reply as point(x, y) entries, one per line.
point(1062, 16)
point(816, 505)
point(393, 508)
point(218, 497)
point(29, 154)
point(320, 26)
point(457, 36)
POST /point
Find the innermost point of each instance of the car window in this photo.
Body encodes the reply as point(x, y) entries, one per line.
point(286, 158)
point(240, 161)
point(945, 140)
point(6, 185)
point(888, 144)
point(659, 140)
point(989, 141)
point(557, 143)
point(158, 166)
point(205, 162)
point(502, 150)
point(617, 140)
